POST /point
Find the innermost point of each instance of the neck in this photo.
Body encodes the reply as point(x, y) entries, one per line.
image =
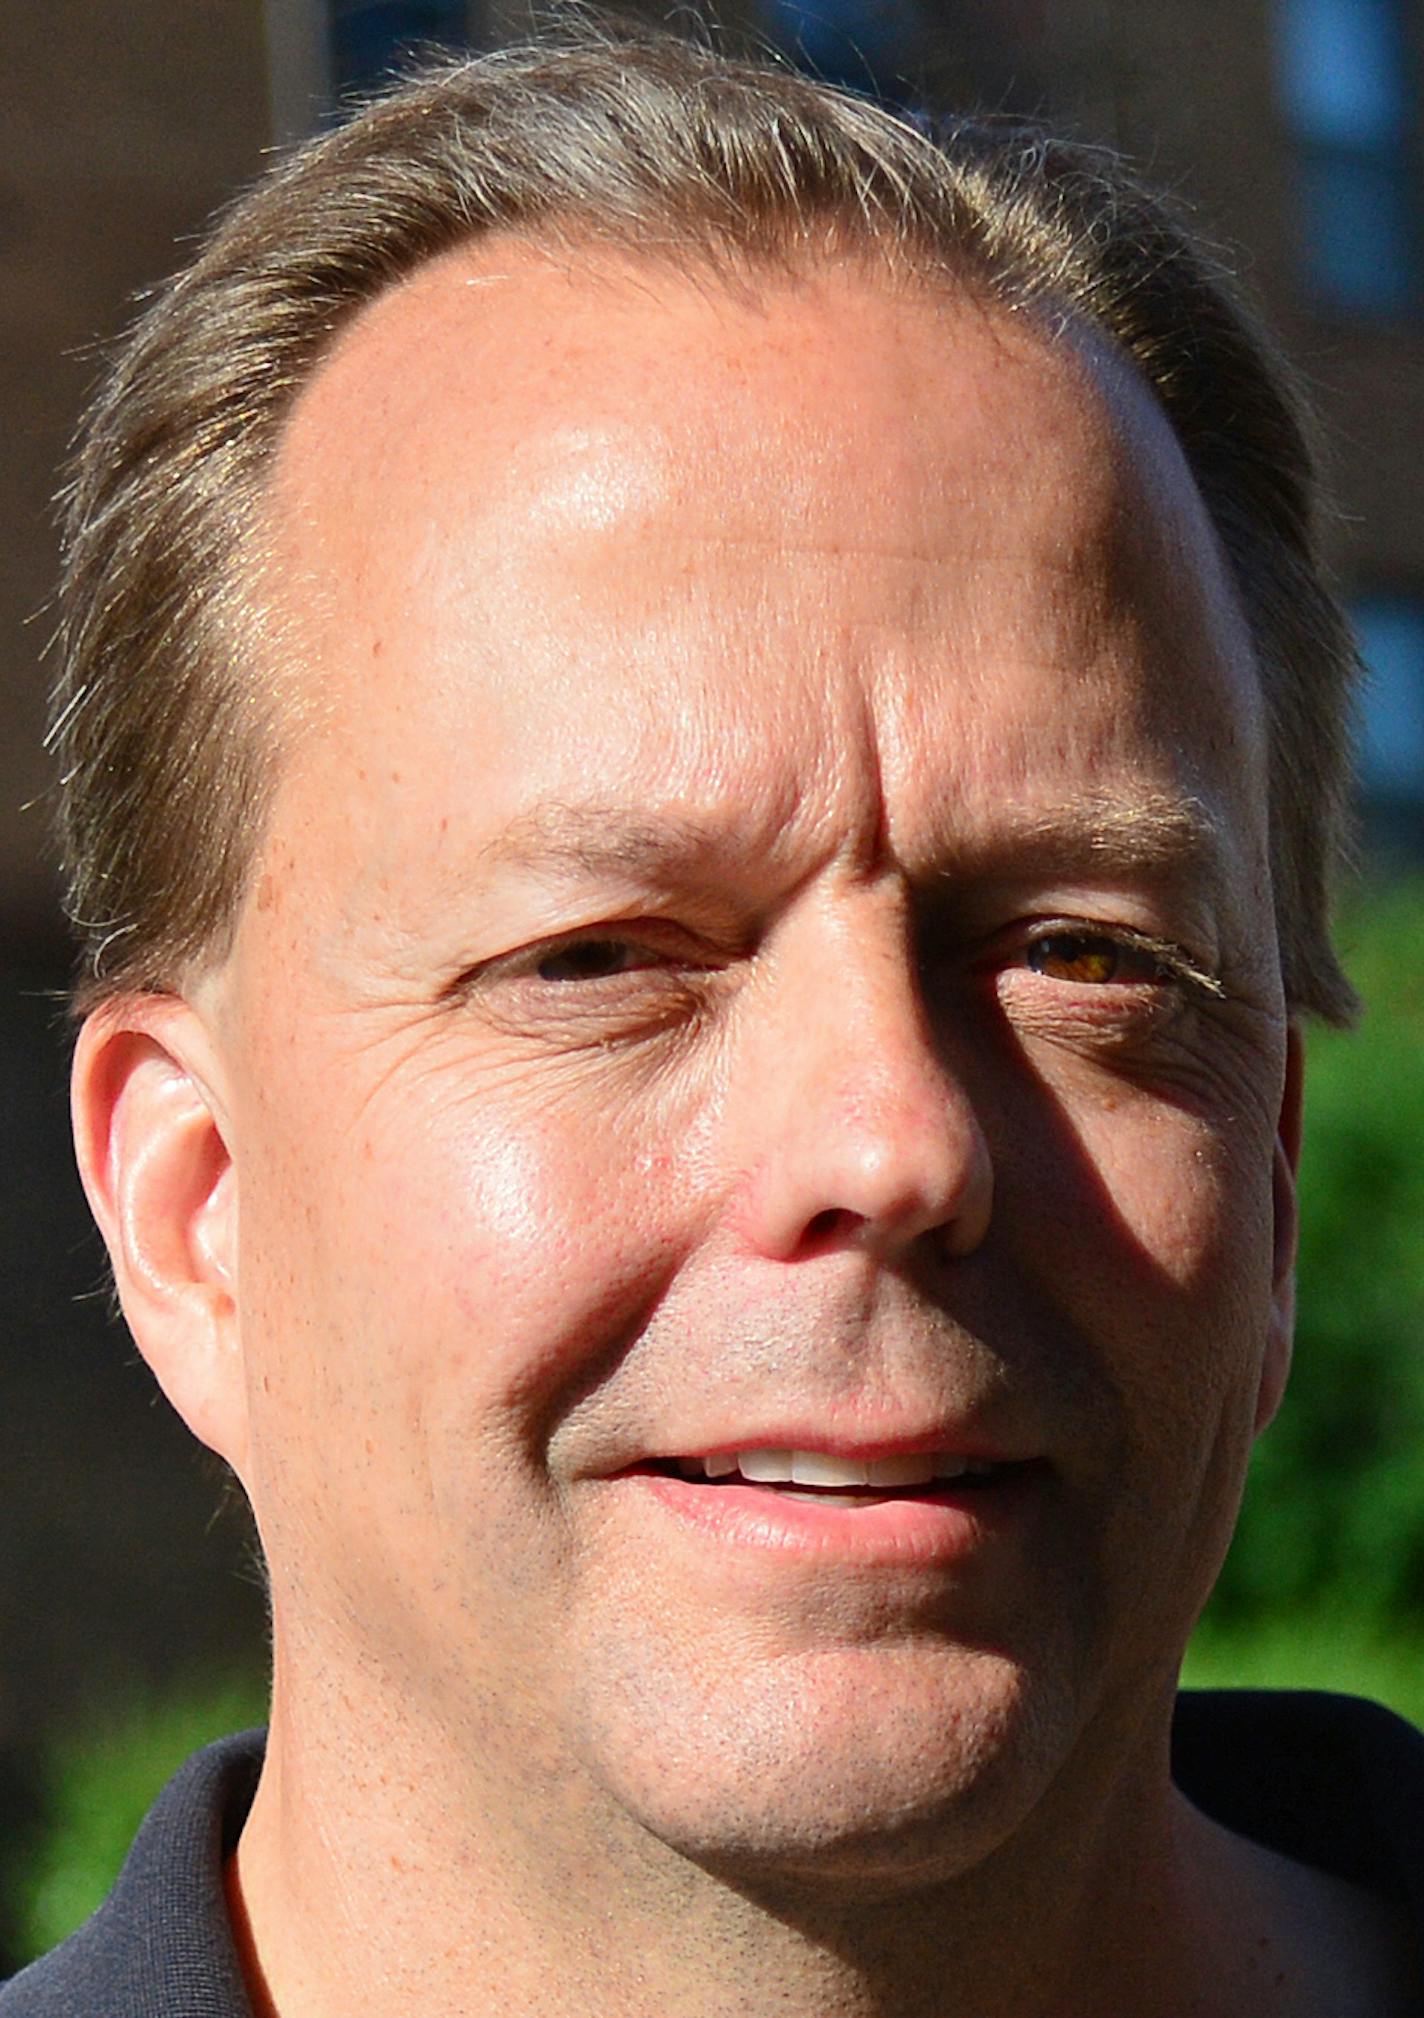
point(401, 1875)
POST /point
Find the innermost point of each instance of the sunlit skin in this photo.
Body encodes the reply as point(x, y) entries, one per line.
point(764, 938)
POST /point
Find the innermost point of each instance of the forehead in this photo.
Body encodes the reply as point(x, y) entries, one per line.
point(630, 531)
point(575, 397)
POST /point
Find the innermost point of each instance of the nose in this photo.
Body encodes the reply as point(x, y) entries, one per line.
point(860, 1134)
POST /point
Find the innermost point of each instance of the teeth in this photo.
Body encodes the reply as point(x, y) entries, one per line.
point(819, 1468)
point(884, 1471)
point(816, 1467)
point(765, 1467)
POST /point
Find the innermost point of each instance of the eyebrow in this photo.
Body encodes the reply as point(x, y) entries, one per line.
point(1149, 832)
point(598, 840)
point(1123, 834)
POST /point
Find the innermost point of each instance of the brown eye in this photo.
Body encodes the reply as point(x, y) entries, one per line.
point(1090, 959)
point(591, 960)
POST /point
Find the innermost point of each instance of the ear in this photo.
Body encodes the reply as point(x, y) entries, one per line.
point(1286, 1166)
point(154, 1156)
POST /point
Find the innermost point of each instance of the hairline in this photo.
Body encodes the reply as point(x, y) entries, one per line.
point(1026, 221)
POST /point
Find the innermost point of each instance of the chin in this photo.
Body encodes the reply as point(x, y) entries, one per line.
point(890, 1768)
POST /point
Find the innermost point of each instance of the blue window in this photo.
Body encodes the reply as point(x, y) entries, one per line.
point(863, 44)
point(1390, 629)
point(1342, 70)
point(1347, 92)
point(370, 38)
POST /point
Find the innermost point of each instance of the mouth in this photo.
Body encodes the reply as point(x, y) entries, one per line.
point(870, 1509)
point(828, 1479)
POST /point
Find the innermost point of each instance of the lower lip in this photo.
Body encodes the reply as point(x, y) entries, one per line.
point(936, 1529)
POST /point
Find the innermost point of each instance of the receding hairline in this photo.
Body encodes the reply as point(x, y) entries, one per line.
point(746, 277)
point(1141, 832)
point(663, 148)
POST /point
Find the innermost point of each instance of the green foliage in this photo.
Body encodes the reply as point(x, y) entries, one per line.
point(1337, 1652)
point(1334, 1514)
point(98, 1777)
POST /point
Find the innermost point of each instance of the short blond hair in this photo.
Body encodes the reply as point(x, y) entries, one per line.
point(672, 151)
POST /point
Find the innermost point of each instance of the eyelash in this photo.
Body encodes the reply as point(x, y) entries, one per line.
point(651, 956)
point(1173, 966)
point(664, 957)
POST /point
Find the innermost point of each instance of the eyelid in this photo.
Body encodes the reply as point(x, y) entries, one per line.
point(1181, 965)
point(646, 956)
point(656, 936)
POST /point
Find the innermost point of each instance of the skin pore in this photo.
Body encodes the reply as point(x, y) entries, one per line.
point(763, 941)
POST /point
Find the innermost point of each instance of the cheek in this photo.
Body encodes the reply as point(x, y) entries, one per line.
point(546, 1252)
point(1188, 1326)
point(1157, 1257)
point(1179, 1194)
point(1161, 1241)
point(453, 1261)
point(1186, 1204)
point(431, 1286)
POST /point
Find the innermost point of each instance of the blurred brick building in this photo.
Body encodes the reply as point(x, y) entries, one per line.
point(1293, 127)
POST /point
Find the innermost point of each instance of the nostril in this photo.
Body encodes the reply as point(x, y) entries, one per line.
point(835, 1223)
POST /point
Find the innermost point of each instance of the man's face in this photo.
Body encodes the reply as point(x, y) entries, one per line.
point(763, 944)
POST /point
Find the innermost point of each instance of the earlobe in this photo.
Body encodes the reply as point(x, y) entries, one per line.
point(1286, 1215)
point(156, 1164)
